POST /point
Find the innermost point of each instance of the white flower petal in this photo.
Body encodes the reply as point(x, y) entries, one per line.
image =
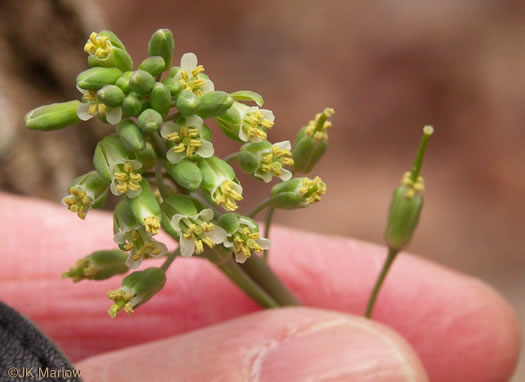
point(168, 128)
point(83, 112)
point(136, 164)
point(206, 214)
point(217, 235)
point(113, 115)
point(242, 135)
point(268, 114)
point(265, 176)
point(83, 91)
point(113, 188)
point(175, 220)
point(240, 258)
point(133, 264)
point(119, 238)
point(188, 62)
point(227, 243)
point(133, 194)
point(206, 150)
point(285, 175)
point(284, 145)
point(248, 222)
point(175, 157)
point(264, 243)
point(193, 121)
point(162, 247)
point(237, 188)
point(208, 86)
point(187, 247)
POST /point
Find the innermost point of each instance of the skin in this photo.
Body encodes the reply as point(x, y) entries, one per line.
point(430, 323)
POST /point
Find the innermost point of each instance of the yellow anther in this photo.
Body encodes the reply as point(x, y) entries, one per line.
point(226, 196)
point(197, 70)
point(78, 202)
point(127, 179)
point(313, 189)
point(152, 224)
point(192, 83)
point(99, 46)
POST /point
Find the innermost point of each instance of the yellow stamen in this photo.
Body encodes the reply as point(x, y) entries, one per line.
point(193, 83)
point(313, 189)
point(78, 202)
point(226, 196)
point(99, 46)
point(195, 232)
point(152, 224)
point(127, 179)
point(187, 140)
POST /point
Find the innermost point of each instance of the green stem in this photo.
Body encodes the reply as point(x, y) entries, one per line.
point(267, 224)
point(231, 157)
point(418, 162)
point(243, 280)
point(386, 267)
point(160, 179)
point(264, 204)
point(262, 274)
point(169, 259)
point(158, 145)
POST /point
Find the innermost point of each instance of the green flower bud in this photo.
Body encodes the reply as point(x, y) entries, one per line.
point(219, 182)
point(141, 82)
point(247, 95)
point(105, 49)
point(146, 208)
point(131, 136)
point(52, 117)
point(150, 120)
point(147, 157)
point(132, 105)
point(96, 78)
point(186, 174)
point(248, 161)
point(110, 95)
point(311, 142)
point(407, 201)
point(174, 86)
point(160, 99)
point(87, 191)
point(137, 288)
point(187, 102)
point(153, 65)
point(297, 193)
point(100, 265)
point(162, 44)
point(123, 82)
point(109, 152)
point(213, 104)
point(174, 70)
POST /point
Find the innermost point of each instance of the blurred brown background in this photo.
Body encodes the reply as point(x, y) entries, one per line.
point(386, 67)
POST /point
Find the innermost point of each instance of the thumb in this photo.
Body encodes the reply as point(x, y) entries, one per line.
point(292, 344)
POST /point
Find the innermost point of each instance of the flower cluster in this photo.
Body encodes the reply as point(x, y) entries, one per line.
point(159, 160)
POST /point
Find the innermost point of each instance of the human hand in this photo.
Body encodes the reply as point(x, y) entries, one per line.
point(202, 328)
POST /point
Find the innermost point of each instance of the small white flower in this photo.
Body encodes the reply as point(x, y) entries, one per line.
point(272, 160)
point(141, 244)
point(197, 230)
point(254, 124)
point(126, 180)
point(246, 240)
point(91, 107)
point(188, 76)
point(185, 134)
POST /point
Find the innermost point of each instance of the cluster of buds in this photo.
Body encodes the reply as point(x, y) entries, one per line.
point(160, 162)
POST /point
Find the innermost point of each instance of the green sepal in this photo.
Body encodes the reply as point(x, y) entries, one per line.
point(153, 65)
point(109, 151)
point(115, 41)
point(145, 284)
point(150, 120)
point(214, 104)
point(52, 117)
point(187, 102)
point(141, 82)
point(161, 44)
point(132, 105)
point(185, 173)
point(286, 195)
point(173, 85)
point(160, 99)
point(247, 95)
point(131, 136)
point(173, 71)
point(181, 204)
point(307, 151)
point(110, 95)
point(230, 122)
point(117, 58)
point(229, 222)
point(145, 204)
point(96, 78)
point(100, 265)
point(403, 217)
point(206, 133)
point(214, 170)
point(148, 157)
point(248, 162)
point(123, 219)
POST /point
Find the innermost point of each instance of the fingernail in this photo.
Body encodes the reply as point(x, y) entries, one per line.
point(344, 352)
